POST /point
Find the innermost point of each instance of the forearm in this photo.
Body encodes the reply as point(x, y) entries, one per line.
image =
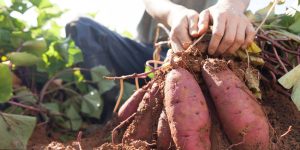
point(241, 5)
point(162, 10)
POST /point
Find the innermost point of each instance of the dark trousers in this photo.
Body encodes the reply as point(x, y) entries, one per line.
point(101, 46)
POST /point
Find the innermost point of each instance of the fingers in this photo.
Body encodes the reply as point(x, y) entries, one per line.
point(217, 33)
point(250, 34)
point(193, 19)
point(239, 38)
point(179, 36)
point(203, 22)
point(229, 37)
point(176, 46)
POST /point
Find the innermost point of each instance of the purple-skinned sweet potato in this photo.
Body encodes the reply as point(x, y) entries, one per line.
point(242, 117)
point(187, 111)
point(164, 140)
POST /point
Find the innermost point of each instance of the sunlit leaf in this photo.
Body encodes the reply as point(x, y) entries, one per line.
point(2, 3)
point(296, 94)
point(97, 76)
point(47, 14)
point(23, 58)
point(19, 5)
point(288, 34)
point(36, 47)
point(290, 78)
point(295, 27)
point(5, 83)
point(127, 34)
point(262, 13)
point(148, 69)
point(41, 3)
point(15, 130)
point(253, 48)
point(79, 77)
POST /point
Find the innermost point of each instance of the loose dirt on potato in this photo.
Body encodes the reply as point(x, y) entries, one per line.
point(284, 119)
point(279, 109)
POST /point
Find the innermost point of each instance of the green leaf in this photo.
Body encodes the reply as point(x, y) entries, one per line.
point(295, 27)
point(24, 95)
point(283, 21)
point(290, 78)
point(2, 3)
point(97, 76)
point(128, 90)
point(296, 94)
point(15, 130)
point(52, 107)
point(262, 13)
point(23, 58)
point(41, 3)
point(150, 75)
point(47, 14)
point(4, 37)
point(127, 34)
point(75, 121)
point(36, 47)
point(75, 56)
point(92, 105)
point(5, 83)
point(19, 6)
point(288, 34)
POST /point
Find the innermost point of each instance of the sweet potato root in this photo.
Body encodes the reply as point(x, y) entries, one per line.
point(241, 116)
point(145, 121)
point(164, 140)
point(131, 105)
point(186, 111)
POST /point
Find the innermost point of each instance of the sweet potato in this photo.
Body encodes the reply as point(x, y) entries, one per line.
point(164, 140)
point(131, 104)
point(241, 116)
point(186, 111)
point(145, 122)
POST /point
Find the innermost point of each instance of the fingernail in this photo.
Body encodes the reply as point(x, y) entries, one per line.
point(201, 27)
point(194, 32)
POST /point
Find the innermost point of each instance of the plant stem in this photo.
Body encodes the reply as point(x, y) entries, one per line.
point(27, 107)
point(275, 43)
point(135, 75)
point(43, 91)
point(279, 60)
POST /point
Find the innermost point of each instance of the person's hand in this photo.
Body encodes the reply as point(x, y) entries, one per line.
point(184, 26)
point(231, 28)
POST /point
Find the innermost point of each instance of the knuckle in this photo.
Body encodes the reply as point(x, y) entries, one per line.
point(240, 41)
point(222, 15)
point(218, 34)
point(228, 41)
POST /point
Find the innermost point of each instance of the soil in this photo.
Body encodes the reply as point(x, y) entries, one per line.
point(280, 110)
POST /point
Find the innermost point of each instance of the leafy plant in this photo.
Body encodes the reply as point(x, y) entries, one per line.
point(40, 76)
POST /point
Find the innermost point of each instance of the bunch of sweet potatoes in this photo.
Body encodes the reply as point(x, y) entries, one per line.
point(173, 114)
